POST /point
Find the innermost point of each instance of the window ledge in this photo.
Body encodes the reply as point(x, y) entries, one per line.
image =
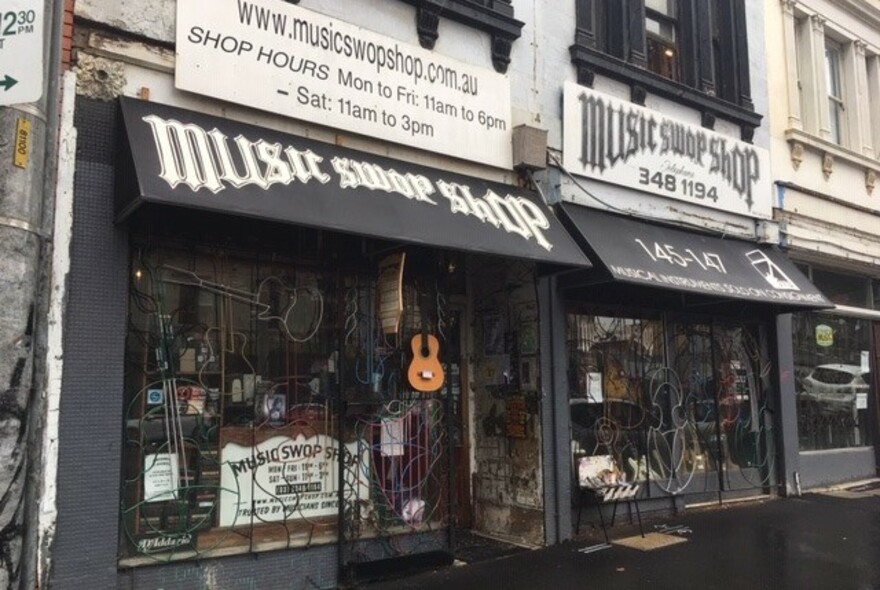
point(798, 140)
point(491, 16)
point(590, 61)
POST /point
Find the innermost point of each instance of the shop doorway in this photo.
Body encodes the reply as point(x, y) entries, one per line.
point(460, 415)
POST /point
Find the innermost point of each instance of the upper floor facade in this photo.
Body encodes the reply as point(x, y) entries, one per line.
point(690, 71)
point(823, 65)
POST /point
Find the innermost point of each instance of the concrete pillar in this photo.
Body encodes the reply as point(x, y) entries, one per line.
point(791, 65)
point(787, 404)
point(818, 91)
point(872, 73)
point(555, 414)
point(860, 116)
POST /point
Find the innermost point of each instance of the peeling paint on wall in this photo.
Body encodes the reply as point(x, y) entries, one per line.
point(153, 20)
point(508, 493)
point(99, 78)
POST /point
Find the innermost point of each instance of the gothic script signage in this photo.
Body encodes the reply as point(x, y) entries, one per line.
point(186, 158)
point(286, 478)
point(618, 142)
point(285, 59)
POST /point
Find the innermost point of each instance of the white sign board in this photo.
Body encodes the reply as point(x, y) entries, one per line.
point(295, 62)
point(161, 477)
point(21, 51)
point(622, 143)
point(286, 478)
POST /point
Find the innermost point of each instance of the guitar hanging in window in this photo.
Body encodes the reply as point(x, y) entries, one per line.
point(425, 372)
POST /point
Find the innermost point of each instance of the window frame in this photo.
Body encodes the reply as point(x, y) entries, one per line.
point(673, 64)
point(612, 47)
point(834, 82)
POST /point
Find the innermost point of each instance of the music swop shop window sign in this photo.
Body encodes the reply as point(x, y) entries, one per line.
point(299, 63)
point(618, 142)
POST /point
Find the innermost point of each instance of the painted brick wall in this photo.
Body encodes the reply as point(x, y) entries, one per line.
point(67, 34)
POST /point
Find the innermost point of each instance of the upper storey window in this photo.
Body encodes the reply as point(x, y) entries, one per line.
point(661, 36)
point(695, 53)
point(836, 119)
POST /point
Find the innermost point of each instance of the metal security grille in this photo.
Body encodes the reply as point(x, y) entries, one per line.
point(268, 407)
point(406, 509)
point(678, 405)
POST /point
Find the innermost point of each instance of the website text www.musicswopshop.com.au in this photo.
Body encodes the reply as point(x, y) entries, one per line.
point(390, 57)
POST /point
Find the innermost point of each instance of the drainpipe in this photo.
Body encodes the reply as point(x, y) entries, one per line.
point(27, 188)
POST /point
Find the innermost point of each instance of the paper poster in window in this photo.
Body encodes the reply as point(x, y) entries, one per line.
point(493, 334)
point(161, 477)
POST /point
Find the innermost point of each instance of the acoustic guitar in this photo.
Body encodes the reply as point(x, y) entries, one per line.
point(425, 372)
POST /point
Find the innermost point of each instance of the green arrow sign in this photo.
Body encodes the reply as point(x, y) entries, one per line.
point(8, 82)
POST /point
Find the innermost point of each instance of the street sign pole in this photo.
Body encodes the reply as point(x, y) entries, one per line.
point(30, 62)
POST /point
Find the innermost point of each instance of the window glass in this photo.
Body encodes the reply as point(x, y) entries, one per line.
point(833, 380)
point(835, 90)
point(234, 438)
point(661, 28)
point(673, 403)
point(665, 7)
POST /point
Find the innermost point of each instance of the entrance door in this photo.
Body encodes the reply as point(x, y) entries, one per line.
point(728, 441)
point(460, 416)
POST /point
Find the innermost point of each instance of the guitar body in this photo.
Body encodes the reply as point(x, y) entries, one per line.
point(425, 372)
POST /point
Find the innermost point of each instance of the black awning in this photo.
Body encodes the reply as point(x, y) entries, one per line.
point(189, 159)
point(646, 254)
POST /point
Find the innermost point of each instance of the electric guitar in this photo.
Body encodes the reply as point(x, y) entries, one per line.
point(425, 372)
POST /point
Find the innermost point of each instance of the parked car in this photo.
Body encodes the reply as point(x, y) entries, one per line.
point(837, 378)
point(833, 387)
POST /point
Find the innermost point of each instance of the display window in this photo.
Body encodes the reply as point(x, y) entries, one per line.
point(833, 383)
point(272, 403)
point(678, 404)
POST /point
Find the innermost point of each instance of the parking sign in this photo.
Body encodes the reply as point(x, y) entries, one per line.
point(21, 51)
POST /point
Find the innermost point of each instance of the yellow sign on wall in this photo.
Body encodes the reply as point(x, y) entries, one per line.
point(22, 153)
point(824, 335)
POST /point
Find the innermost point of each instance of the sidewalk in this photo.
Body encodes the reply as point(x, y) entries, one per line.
point(829, 540)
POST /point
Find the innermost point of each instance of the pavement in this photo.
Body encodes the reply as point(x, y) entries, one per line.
point(817, 541)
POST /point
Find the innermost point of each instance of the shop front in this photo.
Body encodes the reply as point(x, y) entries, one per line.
point(672, 374)
point(279, 362)
point(835, 391)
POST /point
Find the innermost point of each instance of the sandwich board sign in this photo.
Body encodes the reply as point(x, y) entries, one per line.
point(21, 51)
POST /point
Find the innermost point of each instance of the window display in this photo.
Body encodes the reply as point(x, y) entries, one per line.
point(266, 398)
point(677, 403)
point(832, 356)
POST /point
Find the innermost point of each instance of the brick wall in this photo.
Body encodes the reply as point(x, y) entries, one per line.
point(67, 34)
